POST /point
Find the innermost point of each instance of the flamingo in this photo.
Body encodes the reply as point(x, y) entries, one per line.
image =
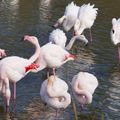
point(83, 87)
point(52, 56)
point(115, 34)
point(54, 92)
point(69, 17)
point(13, 68)
point(86, 17)
point(2, 53)
point(58, 37)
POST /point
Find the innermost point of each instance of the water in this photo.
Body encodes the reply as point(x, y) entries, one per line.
point(36, 17)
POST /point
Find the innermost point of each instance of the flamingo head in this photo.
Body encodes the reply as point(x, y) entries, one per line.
point(2, 53)
point(31, 67)
point(31, 39)
point(115, 34)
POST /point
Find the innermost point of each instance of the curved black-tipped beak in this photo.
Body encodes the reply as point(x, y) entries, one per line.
point(86, 44)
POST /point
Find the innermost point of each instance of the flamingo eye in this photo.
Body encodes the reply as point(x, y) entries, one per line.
point(113, 31)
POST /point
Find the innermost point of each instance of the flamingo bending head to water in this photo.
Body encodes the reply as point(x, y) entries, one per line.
point(85, 20)
point(58, 37)
point(69, 17)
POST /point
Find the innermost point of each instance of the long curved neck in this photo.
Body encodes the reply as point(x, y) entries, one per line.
point(82, 92)
point(50, 90)
point(79, 37)
point(35, 56)
point(70, 44)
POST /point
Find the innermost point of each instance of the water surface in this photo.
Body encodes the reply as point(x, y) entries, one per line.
point(36, 17)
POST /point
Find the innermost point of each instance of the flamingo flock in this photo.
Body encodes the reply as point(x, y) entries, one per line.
point(54, 91)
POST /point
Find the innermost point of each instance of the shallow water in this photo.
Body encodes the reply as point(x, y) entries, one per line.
point(36, 17)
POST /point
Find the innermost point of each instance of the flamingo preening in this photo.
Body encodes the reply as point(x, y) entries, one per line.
point(58, 37)
point(14, 68)
point(2, 53)
point(69, 17)
point(85, 19)
point(115, 34)
point(54, 92)
point(83, 87)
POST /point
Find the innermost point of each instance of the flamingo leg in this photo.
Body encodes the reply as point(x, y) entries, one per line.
point(14, 96)
point(7, 94)
point(90, 35)
point(14, 93)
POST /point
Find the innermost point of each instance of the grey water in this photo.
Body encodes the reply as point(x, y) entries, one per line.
point(36, 17)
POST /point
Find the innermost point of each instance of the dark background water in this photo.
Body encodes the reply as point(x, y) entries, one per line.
point(36, 17)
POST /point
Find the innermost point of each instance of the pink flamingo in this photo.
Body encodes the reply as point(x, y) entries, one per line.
point(2, 53)
point(52, 56)
point(58, 37)
point(54, 92)
point(85, 19)
point(83, 86)
point(14, 68)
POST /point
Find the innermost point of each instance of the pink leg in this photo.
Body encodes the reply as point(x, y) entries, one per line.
point(7, 94)
point(14, 94)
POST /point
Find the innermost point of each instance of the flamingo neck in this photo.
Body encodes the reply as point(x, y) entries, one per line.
point(86, 97)
point(36, 55)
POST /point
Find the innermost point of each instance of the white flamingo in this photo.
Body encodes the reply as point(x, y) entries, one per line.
point(83, 86)
point(86, 17)
point(115, 34)
point(54, 92)
point(69, 17)
point(2, 53)
point(52, 56)
point(14, 68)
point(58, 37)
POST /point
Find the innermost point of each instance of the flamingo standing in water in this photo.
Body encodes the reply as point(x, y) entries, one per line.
point(86, 17)
point(2, 53)
point(52, 56)
point(14, 68)
point(58, 37)
point(115, 34)
point(69, 17)
point(83, 87)
point(54, 92)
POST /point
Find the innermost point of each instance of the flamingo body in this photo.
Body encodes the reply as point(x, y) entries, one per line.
point(83, 86)
point(69, 17)
point(58, 37)
point(60, 97)
point(86, 17)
